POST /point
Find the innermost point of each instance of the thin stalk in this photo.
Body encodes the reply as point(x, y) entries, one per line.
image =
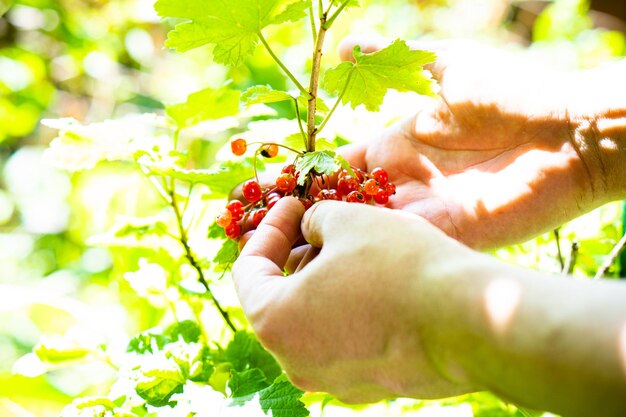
point(314, 84)
point(610, 260)
point(194, 263)
point(327, 118)
point(571, 261)
point(295, 102)
point(558, 247)
point(330, 21)
point(312, 19)
point(282, 66)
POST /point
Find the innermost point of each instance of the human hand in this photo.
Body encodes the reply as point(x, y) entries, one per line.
point(355, 320)
point(498, 158)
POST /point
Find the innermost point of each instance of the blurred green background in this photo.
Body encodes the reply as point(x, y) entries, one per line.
point(94, 60)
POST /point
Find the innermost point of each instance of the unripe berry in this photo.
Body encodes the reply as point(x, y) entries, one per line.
point(238, 146)
point(236, 209)
point(286, 183)
point(269, 151)
point(224, 218)
point(252, 191)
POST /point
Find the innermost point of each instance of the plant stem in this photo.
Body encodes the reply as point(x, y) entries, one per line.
point(282, 66)
point(558, 247)
point(193, 262)
point(295, 102)
point(314, 84)
point(571, 261)
point(327, 118)
point(312, 19)
point(330, 21)
point(610, 260)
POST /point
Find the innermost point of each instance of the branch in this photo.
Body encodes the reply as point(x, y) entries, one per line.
point(314, 84)
point(194, 263)
point(327, 118)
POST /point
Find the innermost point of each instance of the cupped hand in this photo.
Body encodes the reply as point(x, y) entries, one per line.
point(495, 160)
point(354, 320)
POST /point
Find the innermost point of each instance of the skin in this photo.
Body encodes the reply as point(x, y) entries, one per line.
point(386, 303)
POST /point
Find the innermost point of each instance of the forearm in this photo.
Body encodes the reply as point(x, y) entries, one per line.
point(542, 341)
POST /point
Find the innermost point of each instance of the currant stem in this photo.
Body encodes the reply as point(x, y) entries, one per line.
point(330, 21)
point(282, 66)
point(193, 262)
point(610, 260)
point(314, 84)
point(295, 102)
point(327, 118)
point(312, 19)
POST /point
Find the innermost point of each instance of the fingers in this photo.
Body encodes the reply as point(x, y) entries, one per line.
point(336, 218)
point(265, 253)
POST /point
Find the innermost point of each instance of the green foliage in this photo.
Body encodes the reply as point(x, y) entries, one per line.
point(233, 26)
point(322, 162)
point(204, 105)
point(263, 94)
point(367, 80)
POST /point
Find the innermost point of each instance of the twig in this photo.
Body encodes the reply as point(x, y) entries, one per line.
point(610, 260)
point(194, 263)
point(571, 261)
point(558, 247)
point(282, 66)
point(314, 84)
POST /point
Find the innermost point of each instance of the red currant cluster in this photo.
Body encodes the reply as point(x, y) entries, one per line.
point(363, 187)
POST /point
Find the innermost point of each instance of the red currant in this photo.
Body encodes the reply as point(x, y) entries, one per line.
point(252, 191)
point(269, 151)
point(381, 197)
point(272, 199)
point(289, 169)
point(346, 185)
point(258, 216)
point(356, 197)
point(233, 230)
point(370, 187)
point(286, 183)
point(224, 218)
point(390, 188)
point(238, 146)
point(380, 175)
point(306, 203)
point(328, 195)
point(236, 209)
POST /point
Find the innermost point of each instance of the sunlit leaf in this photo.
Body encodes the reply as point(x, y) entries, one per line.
point(204, 105)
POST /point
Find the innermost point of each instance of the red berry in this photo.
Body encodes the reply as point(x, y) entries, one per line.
point(272, 199)
point(224, 218)
point(381, 197)
point(258, 216)
point(306, 203)
point(288, 169)
point(328, 195)
point(236, 209)
point(390, 188)
point(356, 197)
point(252, 191)
point(346, 185)
point(286, 183)
point(233, 230)
point(269, 151)
point(238, 146)
point(380, 175)
point(370, 187)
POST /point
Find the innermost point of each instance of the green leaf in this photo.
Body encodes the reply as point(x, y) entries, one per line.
point(263, 94)
point(242, 384)
point(351, 3)
point(59, 350)
point(188, 330)
point(295, 141)
point(158, 386)
point(216, 231)
point(227, 254)
point(245, 352)
point(368, 79)
point(322, 144)
point(323, 162)
point(343, 163)
point(5, 5)
point(283, 399)
point(147, 342)
point(320, 105)
point(231, 25)
point(205, 105)
point(87, 402)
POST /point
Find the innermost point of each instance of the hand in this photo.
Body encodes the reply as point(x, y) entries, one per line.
point(498, 159)
point(352, 321)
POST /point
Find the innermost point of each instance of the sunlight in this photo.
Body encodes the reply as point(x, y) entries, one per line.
point(502, 296)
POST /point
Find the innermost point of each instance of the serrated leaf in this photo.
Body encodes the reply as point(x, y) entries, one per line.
point(207, 104)
point(343, 163)
point(322, 144)
point(147, 342)
point(158, 385)
point(139, 227)
point(227, 254)
point(367, 80)
point(281, 398)
point(263, 94)
point(323, 162)
point(188, 330)
point(216, 231)
point(231, 25)
point(245, 352)
point(294, 141)
point(250, 381)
